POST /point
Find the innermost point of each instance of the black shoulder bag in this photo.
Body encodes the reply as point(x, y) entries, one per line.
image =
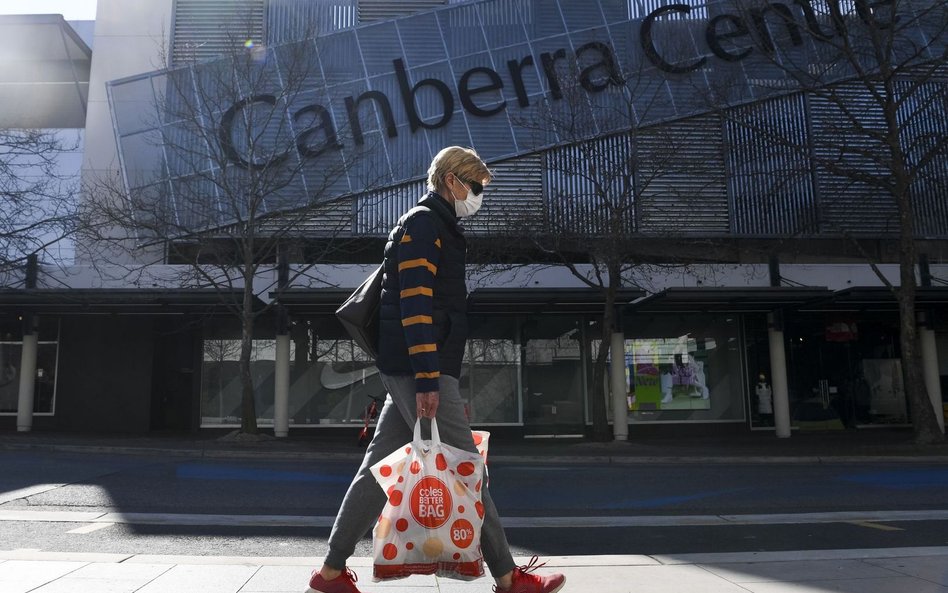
point(359, 314)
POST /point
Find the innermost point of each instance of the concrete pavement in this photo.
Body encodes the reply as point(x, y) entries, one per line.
point(899, 570)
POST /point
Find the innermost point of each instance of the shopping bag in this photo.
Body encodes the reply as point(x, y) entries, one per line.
point(432, 521)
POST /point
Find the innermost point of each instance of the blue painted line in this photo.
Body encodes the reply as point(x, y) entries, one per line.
point(217, 472)
point(664, 501)
point(908, 479)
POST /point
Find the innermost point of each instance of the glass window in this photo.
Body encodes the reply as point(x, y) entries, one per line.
point(683, 368)
point(843, 369)
point(490, 376)
point(331, 379)
point(553, 391)
point(47, 358)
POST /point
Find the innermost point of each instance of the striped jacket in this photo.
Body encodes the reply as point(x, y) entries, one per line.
point(423, 315)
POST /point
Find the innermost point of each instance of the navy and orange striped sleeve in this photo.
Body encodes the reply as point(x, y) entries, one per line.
point(418, 255)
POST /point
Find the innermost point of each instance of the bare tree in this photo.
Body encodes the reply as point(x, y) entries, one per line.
point(605, 192)
point(37, 195)
point(874, 143)
point(253, 162)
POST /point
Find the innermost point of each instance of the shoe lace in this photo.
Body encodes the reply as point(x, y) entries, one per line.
point(531, 566)
point(525, 569)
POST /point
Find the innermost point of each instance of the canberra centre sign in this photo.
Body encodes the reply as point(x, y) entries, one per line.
point(508, 77)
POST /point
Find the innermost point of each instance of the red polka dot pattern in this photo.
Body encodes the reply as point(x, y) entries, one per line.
point(441, 463)
point(395, 498)
point(415, 467)
point(465, 469)
point(389, 552)
point(401, 525)
point(385, 471)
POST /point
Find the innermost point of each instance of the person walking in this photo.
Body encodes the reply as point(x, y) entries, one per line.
point(422, 333)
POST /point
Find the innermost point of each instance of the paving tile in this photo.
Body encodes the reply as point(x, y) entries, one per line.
point(203, 579)
point(932, 568)
point(278, 578)
point(809, 570)
point(68, 585)
point(622, 579)
point(886, 585)
point(131, 572)
point(21, 576)
point(106, 578)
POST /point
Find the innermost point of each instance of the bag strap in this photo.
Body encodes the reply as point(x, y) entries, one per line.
point(435, 435)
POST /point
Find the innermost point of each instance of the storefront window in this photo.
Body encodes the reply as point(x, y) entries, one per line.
point(683, 368)
point(844, 371)
point(759, 376)
point(331, 379)
point(47, 358)
point(553, 390)
point(490, 376)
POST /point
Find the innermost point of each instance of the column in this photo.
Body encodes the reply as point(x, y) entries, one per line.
point(24, 410)
point(778, 371)
point(620, 405)
point(281, 389)
point(930, 370)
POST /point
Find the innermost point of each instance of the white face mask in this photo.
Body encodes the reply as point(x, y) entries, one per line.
point(468, 206)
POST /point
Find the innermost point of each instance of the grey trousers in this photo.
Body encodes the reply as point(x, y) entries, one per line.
point(365, 499)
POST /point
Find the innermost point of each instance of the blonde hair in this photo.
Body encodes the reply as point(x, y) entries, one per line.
point(461, 161)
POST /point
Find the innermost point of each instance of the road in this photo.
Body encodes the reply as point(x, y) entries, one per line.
point(153, 505)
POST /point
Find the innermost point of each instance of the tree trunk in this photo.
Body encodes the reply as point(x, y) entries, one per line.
point(597, 408)
point(248, 408)
point(923, 414)
point(924, 422)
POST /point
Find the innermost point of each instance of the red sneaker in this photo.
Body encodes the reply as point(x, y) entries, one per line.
point(344, 583)
point(526, 582)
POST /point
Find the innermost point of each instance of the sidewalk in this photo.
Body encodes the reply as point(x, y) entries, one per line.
point(745, 447)
point(905, 570)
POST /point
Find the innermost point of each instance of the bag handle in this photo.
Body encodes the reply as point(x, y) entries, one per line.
point(435, 435)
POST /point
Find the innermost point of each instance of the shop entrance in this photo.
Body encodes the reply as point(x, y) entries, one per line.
point(844, 372)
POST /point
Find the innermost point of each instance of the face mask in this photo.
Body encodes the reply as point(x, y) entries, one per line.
point(470, 205)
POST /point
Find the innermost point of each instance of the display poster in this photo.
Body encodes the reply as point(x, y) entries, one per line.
point(667, 374)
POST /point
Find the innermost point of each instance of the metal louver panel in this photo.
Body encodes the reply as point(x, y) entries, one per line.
point(922, 118)
point(589, 187)
point(769, 175)
point(681, 179)
point(205, 29)
point(513, 202)
point(332, 219)
point(844, 158)
point(293, 20)
point(378, 211)
point(380, 10)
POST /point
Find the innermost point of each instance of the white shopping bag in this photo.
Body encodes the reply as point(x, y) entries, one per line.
point(432, 521)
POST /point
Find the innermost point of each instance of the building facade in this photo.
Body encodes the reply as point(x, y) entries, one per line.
point(749, 253)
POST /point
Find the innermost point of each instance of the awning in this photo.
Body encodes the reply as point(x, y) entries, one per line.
point(496, 301)
point(117, 301)
point(312, 301)
point(44, 73)
point(751, 299)
point(514, 301)
point(878, 298)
